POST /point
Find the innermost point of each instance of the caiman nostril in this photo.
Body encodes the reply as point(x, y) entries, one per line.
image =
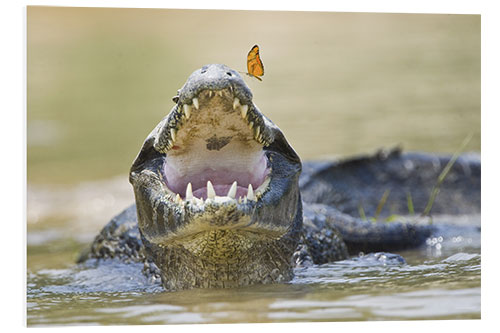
point(229, 73)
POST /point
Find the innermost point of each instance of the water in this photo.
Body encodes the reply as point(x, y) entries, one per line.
point(427, 287)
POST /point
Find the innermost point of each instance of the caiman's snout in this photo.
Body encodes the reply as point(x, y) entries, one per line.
point(214, 77)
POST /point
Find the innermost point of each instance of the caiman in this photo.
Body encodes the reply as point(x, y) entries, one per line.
point(222, 199)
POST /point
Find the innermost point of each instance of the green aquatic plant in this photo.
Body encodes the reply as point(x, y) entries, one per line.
point(361, 211)
point(409, 201)
point(443, 174)
point(381, 203)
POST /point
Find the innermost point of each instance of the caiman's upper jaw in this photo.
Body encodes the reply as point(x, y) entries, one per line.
point(213, 100)
point(214, 150)
point(202, 86)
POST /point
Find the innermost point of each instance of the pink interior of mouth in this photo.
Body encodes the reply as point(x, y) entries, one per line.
point(222, 177)
point(215, 144)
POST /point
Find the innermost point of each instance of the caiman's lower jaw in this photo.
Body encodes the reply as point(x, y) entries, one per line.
point(215, 152)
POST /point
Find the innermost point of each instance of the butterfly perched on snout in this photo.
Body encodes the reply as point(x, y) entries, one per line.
point(255, 67)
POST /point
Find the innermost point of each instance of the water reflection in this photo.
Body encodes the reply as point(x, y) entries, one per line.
point(113, 292)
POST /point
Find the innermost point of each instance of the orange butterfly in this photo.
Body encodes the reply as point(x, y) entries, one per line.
point(255, 66)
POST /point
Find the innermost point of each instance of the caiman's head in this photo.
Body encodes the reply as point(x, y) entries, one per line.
point(216, 188)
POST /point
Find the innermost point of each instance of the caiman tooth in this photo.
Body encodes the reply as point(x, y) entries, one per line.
point(189, 192)
point(250, 125)
point(263, 186)
point(210, 93)
point(196, 103)
point(178, 199)
point(172, 134)
point(210, 190)
point(244, 110)
point(257, 132)
point(220, 93)
point(236, 103)
point(250, 194)
point(232, 191)
point(239, 200)
point(187, 110)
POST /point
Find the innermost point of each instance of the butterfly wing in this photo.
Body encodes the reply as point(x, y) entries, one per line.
point(255, 66)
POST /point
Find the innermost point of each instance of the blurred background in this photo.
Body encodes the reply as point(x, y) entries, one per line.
point(337, 84)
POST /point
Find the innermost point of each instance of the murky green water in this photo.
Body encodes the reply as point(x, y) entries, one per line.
point(337, 84)
point(429, 286)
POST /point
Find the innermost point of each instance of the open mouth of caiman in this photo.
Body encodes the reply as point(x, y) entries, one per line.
point(215, 162)
point(215, 153)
